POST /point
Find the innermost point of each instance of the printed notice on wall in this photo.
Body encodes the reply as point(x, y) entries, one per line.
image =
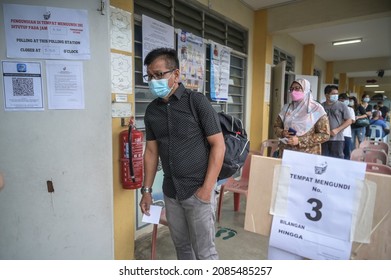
point(65, 84)
point(22, 86)
point(321, 199)
point(121, 73)
point(46, 32)
point(156, 34)
point(121, 31)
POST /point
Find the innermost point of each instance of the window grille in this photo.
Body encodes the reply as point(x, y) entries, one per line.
point(193, 18)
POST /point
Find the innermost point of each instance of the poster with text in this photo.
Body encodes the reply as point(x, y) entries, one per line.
point(191, 54)
point(46, 32)
point(220, 60)
point(156, 34)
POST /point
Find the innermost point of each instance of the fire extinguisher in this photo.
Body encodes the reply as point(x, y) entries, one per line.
point(131, 157)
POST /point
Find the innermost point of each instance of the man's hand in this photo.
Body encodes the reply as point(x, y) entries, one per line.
point(145, 203)
point(334, 132)
point(203, 194)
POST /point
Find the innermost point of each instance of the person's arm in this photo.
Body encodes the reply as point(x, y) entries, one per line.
point(338, 129)
point(151, 159)
point(386, 129)
point(279, 130)
point(215, 162)
point(362, 115)
point(320, 135)
point(368, 111)
point(347, 121)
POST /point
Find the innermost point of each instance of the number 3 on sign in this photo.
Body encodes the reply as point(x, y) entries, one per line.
point(316, 214)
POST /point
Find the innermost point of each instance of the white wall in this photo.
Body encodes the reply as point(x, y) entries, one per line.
point(73, 148)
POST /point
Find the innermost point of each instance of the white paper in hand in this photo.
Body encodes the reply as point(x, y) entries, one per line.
point(154, 216)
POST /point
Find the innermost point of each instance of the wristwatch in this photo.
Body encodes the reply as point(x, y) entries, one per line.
point(146, 190)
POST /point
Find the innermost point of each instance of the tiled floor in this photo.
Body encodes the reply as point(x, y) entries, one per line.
point(242, 245)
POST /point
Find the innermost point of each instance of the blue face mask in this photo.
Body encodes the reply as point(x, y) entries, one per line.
point(159, 88)
point(334, 97)
point(346, 102)
point(366, 99)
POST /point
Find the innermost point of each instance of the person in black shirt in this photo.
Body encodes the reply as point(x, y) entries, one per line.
point(357, 131)
point(191, 152)
point(368, 110)
point(384, 110)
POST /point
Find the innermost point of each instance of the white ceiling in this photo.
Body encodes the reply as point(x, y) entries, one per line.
point(376, 34)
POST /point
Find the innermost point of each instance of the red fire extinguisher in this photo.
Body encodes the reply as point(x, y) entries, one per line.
point(131, 157)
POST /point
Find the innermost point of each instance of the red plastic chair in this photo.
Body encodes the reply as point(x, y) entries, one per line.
point(369, 155)
point(376, 145)
point(357, 154)
point(162, 221)
point(375, 156)
point(238, 187)
point(378, 168)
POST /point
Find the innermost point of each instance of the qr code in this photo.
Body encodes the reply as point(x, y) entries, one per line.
point(23, 86)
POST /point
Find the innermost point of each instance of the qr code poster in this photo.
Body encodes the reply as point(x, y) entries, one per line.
point(22, 86)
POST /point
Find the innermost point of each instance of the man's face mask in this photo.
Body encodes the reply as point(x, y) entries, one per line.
point(334, 97)
point(159, 88)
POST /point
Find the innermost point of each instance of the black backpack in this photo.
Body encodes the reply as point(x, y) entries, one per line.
point(237, 145)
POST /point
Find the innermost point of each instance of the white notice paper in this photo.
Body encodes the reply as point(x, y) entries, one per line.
point(154, 216)
point(121, 30)
point(321, 200)
point(156, 34)
point(65, 84)
point(121, 73)
point(46, 32)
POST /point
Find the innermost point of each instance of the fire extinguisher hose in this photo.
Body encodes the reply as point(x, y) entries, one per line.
point(131, 169)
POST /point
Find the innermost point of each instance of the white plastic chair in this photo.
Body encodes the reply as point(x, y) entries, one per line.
point(375, 130)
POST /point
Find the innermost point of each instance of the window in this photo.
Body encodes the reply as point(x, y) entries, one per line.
point(192, 18)
point(280, 55)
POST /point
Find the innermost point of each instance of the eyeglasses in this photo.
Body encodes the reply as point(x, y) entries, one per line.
point(295, 88)
point(156, 76)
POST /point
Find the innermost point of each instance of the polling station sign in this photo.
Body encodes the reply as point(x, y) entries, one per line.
point(46, 32)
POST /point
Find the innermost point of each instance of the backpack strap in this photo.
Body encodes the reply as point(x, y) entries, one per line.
point(192, 109)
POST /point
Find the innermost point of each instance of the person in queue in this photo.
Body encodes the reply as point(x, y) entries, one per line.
point(191, 154)
point(302, 125)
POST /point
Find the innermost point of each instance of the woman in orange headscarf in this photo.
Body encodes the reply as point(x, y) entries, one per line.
point(302, 125)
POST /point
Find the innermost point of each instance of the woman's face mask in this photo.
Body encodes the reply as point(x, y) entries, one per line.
point(297, 95)
point(366, 99)
point(346, 102)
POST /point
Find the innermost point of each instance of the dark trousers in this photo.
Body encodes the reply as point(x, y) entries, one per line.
point(333, 149)
point(347, 150)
